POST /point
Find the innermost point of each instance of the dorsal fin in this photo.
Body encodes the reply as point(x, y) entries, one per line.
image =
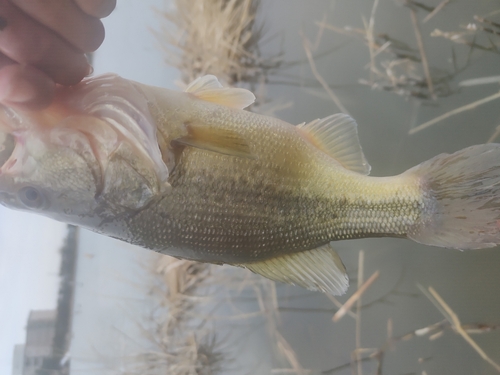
point(209, 88)
point(337, 135)
point(317, 269)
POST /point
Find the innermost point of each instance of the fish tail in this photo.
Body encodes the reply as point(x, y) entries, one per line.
point(462, 199)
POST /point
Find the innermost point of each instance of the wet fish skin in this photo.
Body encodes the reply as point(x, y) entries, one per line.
point(292, 197)
point(194, 176)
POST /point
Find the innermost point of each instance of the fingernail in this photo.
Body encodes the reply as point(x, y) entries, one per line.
point(90, 70)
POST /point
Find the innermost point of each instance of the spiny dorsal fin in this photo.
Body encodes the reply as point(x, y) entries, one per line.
point(223, 141)
point(318, 269)
point(209, 88)
point(337, 135)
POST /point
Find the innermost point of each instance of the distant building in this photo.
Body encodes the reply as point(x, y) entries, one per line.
point(48, 332)
point(40, 333)
point(18, 360)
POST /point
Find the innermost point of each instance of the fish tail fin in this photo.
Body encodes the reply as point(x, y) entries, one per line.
point(462, 195)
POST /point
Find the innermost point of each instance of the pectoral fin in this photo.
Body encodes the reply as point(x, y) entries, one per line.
point(223, 141)
point(318, 269)
point(209, 88)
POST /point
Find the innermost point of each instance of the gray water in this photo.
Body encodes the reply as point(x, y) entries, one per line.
point(466, 280)
point(112, 284)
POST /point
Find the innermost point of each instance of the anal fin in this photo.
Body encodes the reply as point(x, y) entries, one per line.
point(317, 269)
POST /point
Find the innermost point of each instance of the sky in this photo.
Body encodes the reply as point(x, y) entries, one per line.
point(29, 267)
point(29, 244)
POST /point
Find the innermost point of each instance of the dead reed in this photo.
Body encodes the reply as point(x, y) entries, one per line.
point(433, 331)
point(218, 37)
point(398, 67)
point(395, 66)
point(179, 343)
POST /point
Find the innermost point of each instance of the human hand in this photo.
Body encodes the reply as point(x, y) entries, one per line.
point(43, 43)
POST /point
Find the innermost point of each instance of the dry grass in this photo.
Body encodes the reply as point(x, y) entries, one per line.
point(181, 344)
point(394, 65)
point(356, 297)
point(218, 37)
point(184, 341)
point(433, 331)
point(455, 111)
point(181, 331)
point(481, 33)
point(453, 319)
point(309, 48)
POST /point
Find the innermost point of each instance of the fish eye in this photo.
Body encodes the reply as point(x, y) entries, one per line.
point(31, 197)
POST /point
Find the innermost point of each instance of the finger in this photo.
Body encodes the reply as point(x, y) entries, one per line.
point(97, 8)
point(25, 87)
point(29, 43)
point(67, 20)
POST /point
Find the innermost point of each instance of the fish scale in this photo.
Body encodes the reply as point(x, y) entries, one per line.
point(192, 175)
point(218, 209)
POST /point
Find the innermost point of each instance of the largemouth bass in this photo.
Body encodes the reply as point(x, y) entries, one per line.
point(193, 175)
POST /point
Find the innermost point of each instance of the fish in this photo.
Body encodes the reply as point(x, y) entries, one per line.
point(196, 176)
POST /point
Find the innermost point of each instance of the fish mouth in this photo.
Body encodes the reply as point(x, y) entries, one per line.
point(10, 123)
point(7, 145)
point(7, 200)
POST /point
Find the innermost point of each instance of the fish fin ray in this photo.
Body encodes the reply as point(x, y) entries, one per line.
point(206, 82)
point(462, 193)
point(209, 88)
point(317, 269)
point(223, 141)
point(337, 136)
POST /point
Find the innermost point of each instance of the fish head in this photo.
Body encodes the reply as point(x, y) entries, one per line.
point(40, 175)
point(91, 156)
